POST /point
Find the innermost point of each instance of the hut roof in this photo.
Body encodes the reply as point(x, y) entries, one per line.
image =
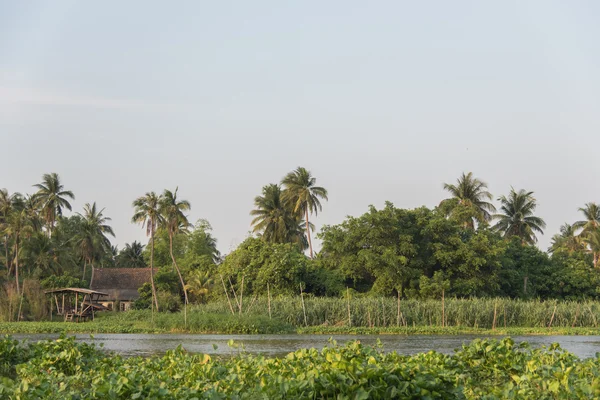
point(75, 290)
point(120, 283)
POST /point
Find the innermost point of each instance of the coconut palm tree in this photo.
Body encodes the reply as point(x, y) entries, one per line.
point(17, 226)
point(199, 284)
point(146, 213)
point(470, 193)
point(92, 239)
point(517, 217)
point(7, 205)
point(591, 212)
point(132, 255)
point(275, 221)
point(567, 239)
point(174, 221)
point(303, 196)
point(592, 239)
point(52, 198)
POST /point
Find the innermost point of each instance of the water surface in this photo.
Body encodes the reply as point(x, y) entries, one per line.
point(277, 345)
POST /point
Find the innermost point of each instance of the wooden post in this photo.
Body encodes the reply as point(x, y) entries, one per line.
point(227, 294)
point(443, 308)
point(504, 312)
point(383, 311)
point(398, 316)
point(242, 296)
point(234, 294)
point(552, 318)
point(494, 321)
point(348, 301)
point(303, 307)
point(269, 299)
point(76, 301)
point(63, 304)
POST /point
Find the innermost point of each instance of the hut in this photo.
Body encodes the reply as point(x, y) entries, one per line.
point(120, 284)
point(76, 304)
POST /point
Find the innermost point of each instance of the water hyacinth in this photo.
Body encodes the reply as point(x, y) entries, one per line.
point(492, 369)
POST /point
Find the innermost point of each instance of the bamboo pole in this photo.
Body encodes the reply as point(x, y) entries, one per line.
point(443, 308)
point(552, 318)
point(398, 316)
point(242, 296)
point(494, 321)
point(269, 299)
point(348, 301)
point(234, 294)
point(227, 294)
point(303, 306)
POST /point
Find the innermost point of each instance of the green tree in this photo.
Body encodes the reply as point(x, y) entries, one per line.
point(52, 198)
point(517, 217)
point(303, 196)
point(17, 226)
point(567, 239)
point(132, 256)
point(92, 239)
point(591, 212)
point(592, 239)
point(275, 221)
point(147, 213)
point(471, 194)
point(7, 205)
point(175, 222)
point(200, 284)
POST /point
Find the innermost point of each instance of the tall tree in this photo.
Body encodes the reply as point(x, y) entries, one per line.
point(92, 240)
point(591, 212)
point(175, 221)
point(517, 216)
point(7, 205)
point(589, 228)
point(303, 196)
point(131, 256)
point(17, 226)
point(147, 213)
point(592, 239)
point(567, 239)
point(276, 221)
point(52, 198)
point(471, 193)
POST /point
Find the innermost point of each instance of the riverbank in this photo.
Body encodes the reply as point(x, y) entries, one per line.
point(205, 323)
point(64, 368)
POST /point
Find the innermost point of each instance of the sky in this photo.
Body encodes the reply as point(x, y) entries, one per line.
point(380, 100)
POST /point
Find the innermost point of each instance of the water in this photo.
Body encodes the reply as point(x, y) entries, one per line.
point(277, 345)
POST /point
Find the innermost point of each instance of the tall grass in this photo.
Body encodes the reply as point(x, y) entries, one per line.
point(384, 312)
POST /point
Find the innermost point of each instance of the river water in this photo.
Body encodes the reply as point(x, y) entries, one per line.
point(277, 345)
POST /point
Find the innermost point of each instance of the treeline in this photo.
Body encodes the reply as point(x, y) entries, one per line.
point(465, 247)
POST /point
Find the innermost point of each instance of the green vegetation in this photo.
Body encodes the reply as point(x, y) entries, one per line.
point(483, 369)
point(462, 249)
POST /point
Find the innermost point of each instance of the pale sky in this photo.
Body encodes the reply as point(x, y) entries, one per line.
point(381, 100)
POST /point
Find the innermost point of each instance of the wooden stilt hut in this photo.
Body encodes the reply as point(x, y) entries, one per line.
point(77, 304)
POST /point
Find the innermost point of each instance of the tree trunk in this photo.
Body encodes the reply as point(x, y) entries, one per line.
point(154, 298)
point(178, 273)
point(525, 285)
point(85, 261)
point(6, 252)
point(308, 234)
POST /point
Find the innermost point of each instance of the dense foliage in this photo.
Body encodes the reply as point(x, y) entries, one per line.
point(461, 249)
point(483, 369)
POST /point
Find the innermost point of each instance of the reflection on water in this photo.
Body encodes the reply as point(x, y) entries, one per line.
point(276, 345)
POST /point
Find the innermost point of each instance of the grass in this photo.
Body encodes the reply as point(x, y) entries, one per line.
point(331, 316)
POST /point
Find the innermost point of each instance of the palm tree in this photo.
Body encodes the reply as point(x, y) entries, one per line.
point(92, 239)
point(591, 212)
point(17, 226)
point(567, 239)
point(592, 239)
point(132, 255)
point(274, 221)
point(471, 193)
point(146, 212)
point(175, 221)
point(7, 204)
point(517, 217)
point(53, 198)
point(303, 197)
point(199, 284)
